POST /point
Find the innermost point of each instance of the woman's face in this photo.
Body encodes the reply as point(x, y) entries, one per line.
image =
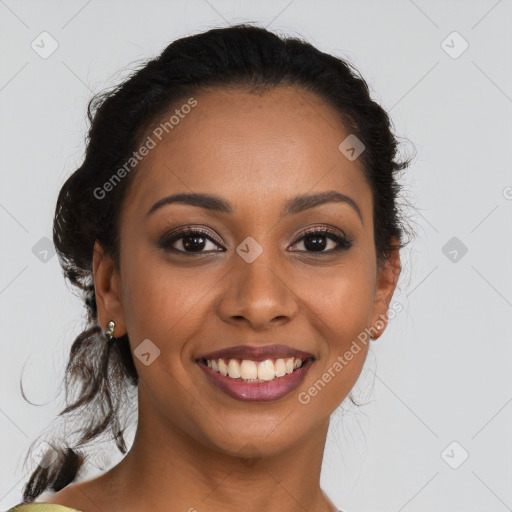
point(250, 277)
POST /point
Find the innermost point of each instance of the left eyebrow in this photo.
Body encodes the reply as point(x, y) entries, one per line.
point(292, 206)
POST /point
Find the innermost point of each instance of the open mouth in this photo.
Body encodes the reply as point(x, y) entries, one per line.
point(255, 371)
point(249, 380)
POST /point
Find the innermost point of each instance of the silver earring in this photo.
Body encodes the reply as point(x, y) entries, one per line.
point(110, 329)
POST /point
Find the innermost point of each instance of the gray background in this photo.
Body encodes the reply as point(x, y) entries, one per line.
point(441, 372)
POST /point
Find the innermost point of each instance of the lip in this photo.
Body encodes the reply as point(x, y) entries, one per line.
point(258, 391)
point(256, 353)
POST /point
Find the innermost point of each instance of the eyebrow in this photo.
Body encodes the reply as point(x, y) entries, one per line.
point(293, 206)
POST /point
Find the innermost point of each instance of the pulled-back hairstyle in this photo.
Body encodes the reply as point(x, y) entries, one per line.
point(242, 56)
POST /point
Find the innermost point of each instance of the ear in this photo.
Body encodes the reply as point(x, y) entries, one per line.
point(387, 278)
point(108, 291)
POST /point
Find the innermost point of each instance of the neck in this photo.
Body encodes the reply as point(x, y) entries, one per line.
point(167, 468)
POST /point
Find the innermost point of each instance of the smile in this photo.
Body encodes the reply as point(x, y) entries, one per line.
point(256, 381)
point(254, 371)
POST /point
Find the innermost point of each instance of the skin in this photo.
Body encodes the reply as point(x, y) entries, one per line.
point(255, 151)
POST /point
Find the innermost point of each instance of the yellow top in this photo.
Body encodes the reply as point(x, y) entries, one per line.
point(44, 507)
point(41, 507)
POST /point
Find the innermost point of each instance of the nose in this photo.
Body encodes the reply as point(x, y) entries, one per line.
point(259, 294)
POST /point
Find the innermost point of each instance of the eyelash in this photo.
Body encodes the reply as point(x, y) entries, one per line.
point(168, 240)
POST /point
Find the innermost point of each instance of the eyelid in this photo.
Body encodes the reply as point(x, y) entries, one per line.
point(325, 228)
point(187, 231)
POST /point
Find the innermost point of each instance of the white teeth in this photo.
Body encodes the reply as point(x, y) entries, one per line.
point(233, 369)
point(266, 370)
point(280, 368)
point(248, 370)
point(254, 371)
point(223, 367)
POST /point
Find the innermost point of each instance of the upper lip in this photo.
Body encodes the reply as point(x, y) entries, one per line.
point(257, 353)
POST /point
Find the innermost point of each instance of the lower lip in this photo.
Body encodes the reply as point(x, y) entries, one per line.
point(258, 391)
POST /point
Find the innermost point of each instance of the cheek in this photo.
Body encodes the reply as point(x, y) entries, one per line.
point(341, 315)
point(161, 304)
point(162, 301)
point(341, 310)
point(343, 298)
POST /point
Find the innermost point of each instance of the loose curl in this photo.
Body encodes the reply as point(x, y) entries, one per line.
point(239, 57)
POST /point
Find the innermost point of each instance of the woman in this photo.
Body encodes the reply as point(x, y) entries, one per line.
point(235, 232)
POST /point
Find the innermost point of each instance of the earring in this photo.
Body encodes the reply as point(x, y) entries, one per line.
point(110, 330)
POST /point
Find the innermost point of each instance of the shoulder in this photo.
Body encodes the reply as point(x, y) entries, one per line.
point(64, 500)
point(81, 496)
point(41, 507)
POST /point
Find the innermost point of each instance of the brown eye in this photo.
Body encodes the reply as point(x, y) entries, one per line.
point(189, 241)
point(316, 240)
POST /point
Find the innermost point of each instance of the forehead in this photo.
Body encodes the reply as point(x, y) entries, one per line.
point(239, 144)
